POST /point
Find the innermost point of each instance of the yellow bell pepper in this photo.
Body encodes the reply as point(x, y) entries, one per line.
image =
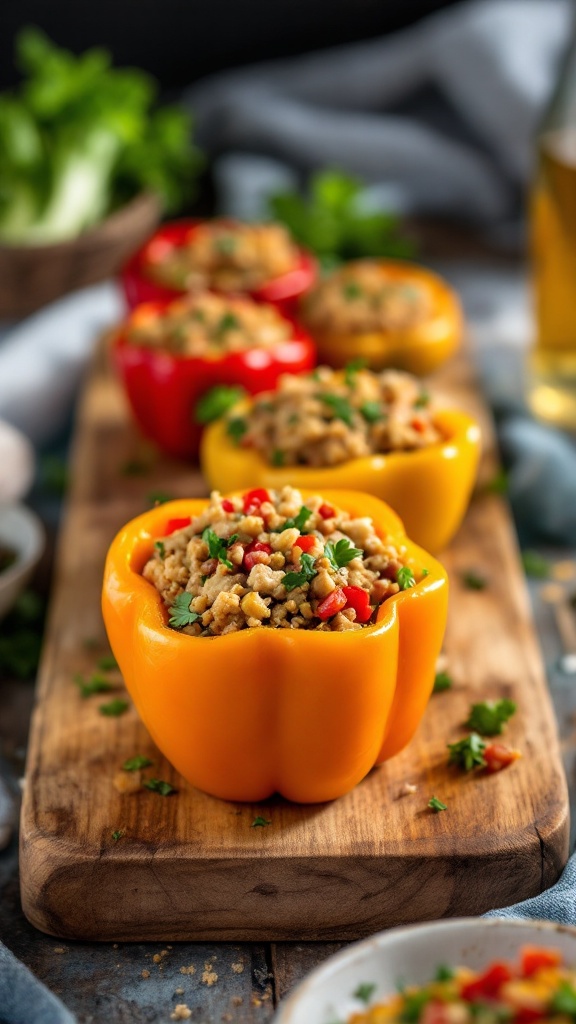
point(428, 488)
point(304, 713)
point(419, 349)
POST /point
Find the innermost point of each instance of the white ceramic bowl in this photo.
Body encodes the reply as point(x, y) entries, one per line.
point(22, 532)
point(411, 955)
point(16, 463)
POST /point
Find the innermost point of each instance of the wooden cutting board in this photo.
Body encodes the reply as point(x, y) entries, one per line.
point(192, 867)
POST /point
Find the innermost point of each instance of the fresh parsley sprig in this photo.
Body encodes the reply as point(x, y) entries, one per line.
point(339, 406)
point(216, 402)
point(489, 717)
point(436, 805)
point(340, 553)
point(442, 681)
point(405, 578)
point(468, 753)
point(298, 579)
point(180, 612)
point(96, 684)
point(134, 764)
point(297, 522)
point(218, 546)
point(159, 786)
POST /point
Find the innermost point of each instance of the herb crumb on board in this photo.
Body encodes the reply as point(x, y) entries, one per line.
point(436, 805)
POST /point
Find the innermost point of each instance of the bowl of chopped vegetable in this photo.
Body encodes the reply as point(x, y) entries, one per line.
point(21, 546)
point(88, 163)
point(463, 970)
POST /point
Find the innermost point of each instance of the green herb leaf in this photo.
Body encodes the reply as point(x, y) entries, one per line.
point(422, 401)
point(365, 991)
point(499, 483)
point(118, 834)
point(468, 753)
point(535, 565)
point(564, 1000)
point(352, 369)
point(134, 764)
point(228, 322)
point(180, 613)
point(278, 457)
point(372, 412)
point(159, 497)
point(260, 822)
point(54, 473)
point(297, 579)
point(297, 522)
point(160, 548)
point(341, 552)
point(436, 805)
point(340, 407)
point(107, 663)
point(472, 580)
point(216, 402)
point(158, 786)
point(236, 428)
point(414, 1003)
point(114, 708)
point(96, 684)
point(442, 681)
point(225, 244)
point(135, 467)
point(405, 578)
point(218, 546)
point(489, 717)
point(444, 973)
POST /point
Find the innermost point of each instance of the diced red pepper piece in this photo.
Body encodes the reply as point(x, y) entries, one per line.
point(418, 425)
point(305, 543)
point(498, 756)
point(488, 985)
point(326, 511)
point(534, 958)
point(254, 499)
point(177, 524)
point(529, 1014)
point(253, 554)
point(435, 1012)
point(227, 505)
point(358, 599)
point(332, 604)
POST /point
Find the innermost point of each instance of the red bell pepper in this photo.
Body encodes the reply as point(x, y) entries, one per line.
point(177, 524)
point(254, 553)
point(305, 542)
point(163, 389)
point(254, 499)
point(534, 958)
point(139, 286)
point(487, 985)
point(335, 602)
point(358, 599)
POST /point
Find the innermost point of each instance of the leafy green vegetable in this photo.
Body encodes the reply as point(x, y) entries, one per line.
point(365, 991)
point(405, 578)
point(118, 834)
point(134, 764)
point(236, 428)
point(342, 552)
point(472, 580)
point(218, 546)
point(180, 614)
point(499, 484)
point(422, 401)
point(489, 717)
point(564, 1000)
point(278, 457)
point(535, 565)
point(298, 579)
point(114, 708)
point(468, 753)
point(297, 522)
point(158, 786)
point(159, 545)
point(96, 684)
point(260, 822)
point(372, 412)
point(442, 681)
point(78, 139)
point(107, 663)
point(228, 322)
point(159, 497)
point(340, 407)
point(414, 1003)
point(217, 402)
point(436, 805)
point(334, 221)
point(444, 973)
point(351, 371)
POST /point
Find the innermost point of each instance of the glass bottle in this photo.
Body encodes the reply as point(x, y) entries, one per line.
point(552, 362)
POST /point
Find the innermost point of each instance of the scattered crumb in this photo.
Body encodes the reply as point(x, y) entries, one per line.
point(163, 952)
point(407, 788)
point(157, 958)
point(237, 1000)
point(552, 593)
point(255, 1001)
point(168, 947)
point(237, 968)
point(209, 976)
point(181, 1012)
point(188, 970)
point(127, 782)
point(114, 945)
point(564, 571)
point(59, 949)
point(145, 974)
point(179, 992)
point(226, 1016)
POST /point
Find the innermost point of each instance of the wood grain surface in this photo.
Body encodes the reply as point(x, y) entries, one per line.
point(192, 867)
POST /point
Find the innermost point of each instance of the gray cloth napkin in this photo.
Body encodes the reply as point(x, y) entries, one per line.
point(24, 999)
point(444, 111)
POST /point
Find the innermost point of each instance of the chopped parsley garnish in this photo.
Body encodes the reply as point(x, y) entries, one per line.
point(218, 546)
point(372, 412)
point(180, 613)
point(444, 973)
point(96, 684)
point(159, 545)
point(535, 565)
point(340, 553)
point(298, 579)
point(489, 717)
point(436, 805)
point(260, 822)
point(564, 1000)
point(422, 401)
point(351, 290)
point(340, 407)
point(278, 457)
point(118, 834)
point(468, 753)
point(236, 428)
point(297, 522)
point(472, 580)
point(107, 663)
point(442, 681)
point(414, 1003)
point(499, 483)
point(158, 786)
point(159, 497)
point(134, 764)
point(114, 708)
point(405, 578)
point(365, 991)
point(214, 403)
point(228, 322)
point(351, 371)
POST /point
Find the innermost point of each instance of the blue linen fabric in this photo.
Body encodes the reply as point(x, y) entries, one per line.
point(24, 999)
point(556, 904)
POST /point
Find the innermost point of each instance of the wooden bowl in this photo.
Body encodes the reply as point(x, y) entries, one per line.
point(33, 275)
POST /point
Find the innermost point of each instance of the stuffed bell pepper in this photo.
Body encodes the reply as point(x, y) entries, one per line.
point(386, 313)
point(378, 433)
point(183, 363)
point(275, 641)
point(221, 255)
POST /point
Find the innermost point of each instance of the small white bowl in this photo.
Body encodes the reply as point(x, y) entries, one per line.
point(411, 955)
point(21, 532)
point(16, 463)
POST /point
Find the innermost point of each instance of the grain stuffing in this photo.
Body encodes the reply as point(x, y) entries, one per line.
point(328, 417)
point(225, 255)
point(267, 559)
point(207, 326)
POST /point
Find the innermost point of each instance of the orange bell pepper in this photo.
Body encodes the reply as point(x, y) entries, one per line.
point(303, 713)
point(429, 488)
point(419, 349)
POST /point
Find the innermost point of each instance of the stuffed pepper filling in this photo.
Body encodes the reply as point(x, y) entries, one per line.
point(207, 325)
point(328, 417)
point(267, 559)
point(367, 296)
point(225, 255)
point(540, 989)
